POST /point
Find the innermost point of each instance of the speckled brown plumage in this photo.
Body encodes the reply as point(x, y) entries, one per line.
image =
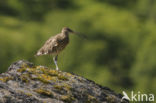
point(55, 44)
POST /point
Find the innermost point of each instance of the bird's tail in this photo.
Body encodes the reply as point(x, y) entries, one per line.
point(38, 54)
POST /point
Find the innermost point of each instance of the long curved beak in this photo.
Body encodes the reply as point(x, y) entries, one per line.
point(80, 35)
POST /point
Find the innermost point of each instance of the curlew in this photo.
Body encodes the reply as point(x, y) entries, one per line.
point(55, 44)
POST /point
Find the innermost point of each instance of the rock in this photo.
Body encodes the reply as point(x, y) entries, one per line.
point(26, 83)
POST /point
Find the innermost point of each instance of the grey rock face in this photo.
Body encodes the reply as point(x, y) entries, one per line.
point(27, 83)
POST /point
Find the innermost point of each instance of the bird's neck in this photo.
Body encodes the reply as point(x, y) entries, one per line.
point(65, 34)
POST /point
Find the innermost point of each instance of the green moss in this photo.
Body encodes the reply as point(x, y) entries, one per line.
point(24, 78)
point(62, 77)
point(67, 87)
point(67, 98)
point(43, 74)
point(25, 93)
point(5, 79)
point(28, 94)
point(53, 72)
point(111, 99)
point(91, 99)
point(33, 70)
point(24, 65)
point(21, 70)
point(44, 78)
point(44, 92)
point(58, 87)
point(63, 87)
point(69, 75)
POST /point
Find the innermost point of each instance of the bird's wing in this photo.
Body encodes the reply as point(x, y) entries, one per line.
point(51, 41)
point(48, 46)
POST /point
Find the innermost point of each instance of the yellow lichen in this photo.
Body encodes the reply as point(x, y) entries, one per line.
point(53, 72)
point(21, 70)
point(5, 79)
point(67, 98)
point(67, 87)
point(28, 94)
point(41, 69)
point(43, 74)
point(62, 77)
point(63, 87)
point(44, 78)
point(68, 74)
point(32, 70)
point(48, 71)
point(91, 99)
point(58, 87)
point(44, 92)
point(24, 65)
point(24, 78)
point(111, 99)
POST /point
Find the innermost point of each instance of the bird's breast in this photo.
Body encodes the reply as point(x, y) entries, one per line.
point(62, 44)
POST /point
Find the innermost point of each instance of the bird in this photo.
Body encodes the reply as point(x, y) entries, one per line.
point(55, 44)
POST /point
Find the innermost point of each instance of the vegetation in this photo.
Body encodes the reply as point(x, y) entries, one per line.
point(120, 49)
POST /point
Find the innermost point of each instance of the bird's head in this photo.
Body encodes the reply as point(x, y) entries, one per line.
point(67, 30)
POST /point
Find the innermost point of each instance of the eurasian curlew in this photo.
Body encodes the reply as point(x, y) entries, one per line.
point(55, 44)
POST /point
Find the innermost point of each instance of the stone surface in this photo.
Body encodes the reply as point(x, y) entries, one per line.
point(26, 83)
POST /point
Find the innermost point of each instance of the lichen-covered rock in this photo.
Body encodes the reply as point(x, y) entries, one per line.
point(27, 83)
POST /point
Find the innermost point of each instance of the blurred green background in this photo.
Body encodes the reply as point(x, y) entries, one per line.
point(120, 51)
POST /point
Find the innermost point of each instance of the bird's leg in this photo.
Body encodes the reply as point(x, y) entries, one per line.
point(55, 61)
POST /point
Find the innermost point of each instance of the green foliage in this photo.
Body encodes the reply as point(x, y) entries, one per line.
point(120, 3)
point(32, 9)
point(120, 49)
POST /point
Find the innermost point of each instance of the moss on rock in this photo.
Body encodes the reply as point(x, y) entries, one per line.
point(5, 79)
point(44, 92)
point(26, 82)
